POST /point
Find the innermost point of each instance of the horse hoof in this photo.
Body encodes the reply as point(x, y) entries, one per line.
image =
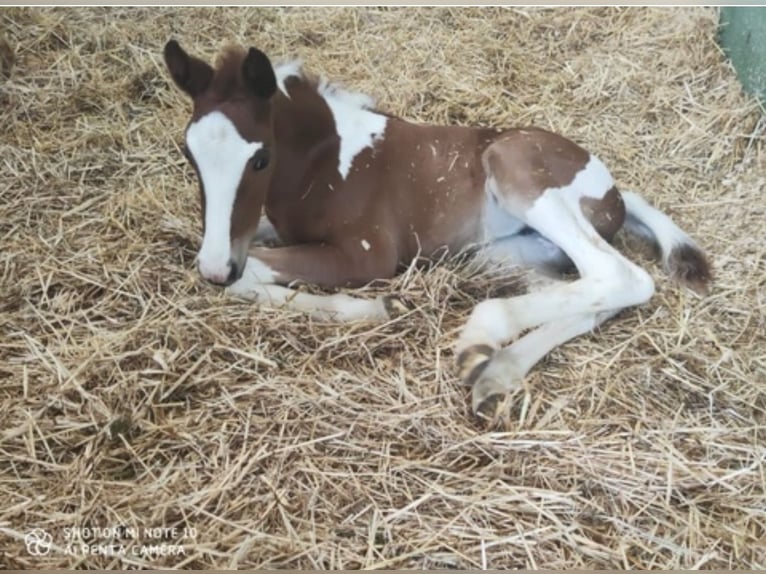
point(487, 409)
point(497, 379)
point(472, 361)
point(486, 395)
point(396, 306)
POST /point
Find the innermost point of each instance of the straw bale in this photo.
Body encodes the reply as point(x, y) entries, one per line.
point(134, 394)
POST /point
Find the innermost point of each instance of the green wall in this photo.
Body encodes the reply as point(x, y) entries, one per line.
point(743, 37)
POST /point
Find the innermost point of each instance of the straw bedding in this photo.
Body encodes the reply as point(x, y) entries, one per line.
point(135, 395)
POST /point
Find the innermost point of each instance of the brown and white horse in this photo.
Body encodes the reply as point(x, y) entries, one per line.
point(352, 193)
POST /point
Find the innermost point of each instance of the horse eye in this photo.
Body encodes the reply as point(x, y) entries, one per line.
point(260, 159)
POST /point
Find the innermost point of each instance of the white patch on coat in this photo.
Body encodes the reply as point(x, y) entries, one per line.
point(266, 232)
point(221, 155)
point(357, 125)
point(594, 180)
point(287, 70)
point(365, 245)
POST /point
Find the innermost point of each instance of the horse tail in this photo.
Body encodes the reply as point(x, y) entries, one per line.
point(682, 258)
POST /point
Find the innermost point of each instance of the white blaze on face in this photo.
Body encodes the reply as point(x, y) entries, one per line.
point(221, 154)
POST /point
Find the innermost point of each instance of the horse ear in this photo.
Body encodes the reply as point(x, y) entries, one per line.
point(190, 74)
point(258, 74)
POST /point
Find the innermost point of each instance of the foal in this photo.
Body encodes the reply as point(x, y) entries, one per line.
point(352, 193)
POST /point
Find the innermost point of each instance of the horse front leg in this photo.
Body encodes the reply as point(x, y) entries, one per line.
point(267, 233)
point(268, 272)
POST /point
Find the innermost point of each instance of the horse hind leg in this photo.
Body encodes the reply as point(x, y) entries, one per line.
point(508, 367)
point(524, 245)
point(529, 249)
point(608, 282)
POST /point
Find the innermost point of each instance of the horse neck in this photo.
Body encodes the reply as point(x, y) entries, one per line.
point(302, 129)
point(303, 118)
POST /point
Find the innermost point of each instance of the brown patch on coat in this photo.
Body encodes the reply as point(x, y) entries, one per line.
point(606, 214)
point(528, 161)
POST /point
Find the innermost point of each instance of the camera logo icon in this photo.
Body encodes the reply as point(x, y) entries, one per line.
point(38, 542)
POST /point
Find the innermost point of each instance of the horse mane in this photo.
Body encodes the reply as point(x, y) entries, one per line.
point(330, 90)
point(353, 99)
point(227, 80)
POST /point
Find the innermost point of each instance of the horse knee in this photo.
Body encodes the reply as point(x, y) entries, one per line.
point(630, 284)
point(489, 324)
point(642, 285)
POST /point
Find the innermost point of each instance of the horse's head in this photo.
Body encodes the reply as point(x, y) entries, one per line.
point(228, 141)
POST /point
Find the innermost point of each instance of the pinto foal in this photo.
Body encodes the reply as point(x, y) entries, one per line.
point(352, 193)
